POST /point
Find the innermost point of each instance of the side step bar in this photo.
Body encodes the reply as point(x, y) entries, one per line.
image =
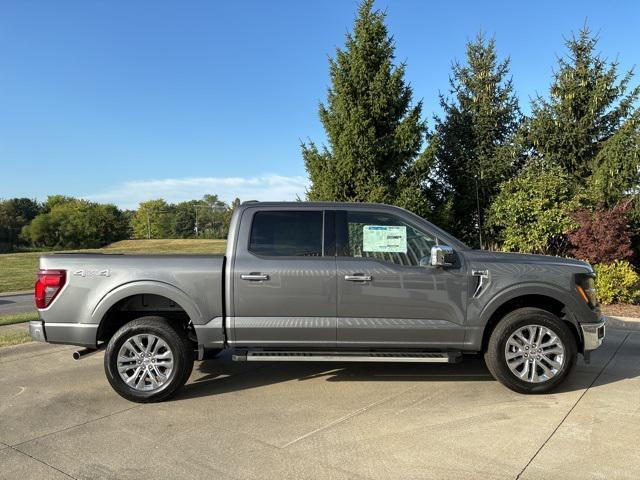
point(287, 356)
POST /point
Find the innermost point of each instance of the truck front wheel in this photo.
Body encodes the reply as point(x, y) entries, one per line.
point(148, 359)
point(531, 351)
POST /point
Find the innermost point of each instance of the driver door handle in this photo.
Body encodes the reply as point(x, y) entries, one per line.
point(254, 277)
point(358, 277)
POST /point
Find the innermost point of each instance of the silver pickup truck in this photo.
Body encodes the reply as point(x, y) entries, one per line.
point(321, 282)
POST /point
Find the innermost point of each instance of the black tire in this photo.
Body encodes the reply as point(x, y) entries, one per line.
point(495, 356)
point(179, 344)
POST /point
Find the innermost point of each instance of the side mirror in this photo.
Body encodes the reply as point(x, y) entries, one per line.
point(439, 255)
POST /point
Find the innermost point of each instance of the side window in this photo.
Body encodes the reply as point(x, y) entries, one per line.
point(287, 233)
point(386, 237)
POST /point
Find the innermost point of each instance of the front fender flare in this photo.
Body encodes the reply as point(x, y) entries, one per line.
point(524, 289)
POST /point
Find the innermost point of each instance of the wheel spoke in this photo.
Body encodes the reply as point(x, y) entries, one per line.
point(131, 379)
point(142, 380)
point(534, 372)
point(540, 331)
point(158, 373)
point(521, 340)
point(552, 349)
point(553, 363)
point(131, 347)
point(137, 340)
point(151, 341)
point(514, 355)
point(548, 372)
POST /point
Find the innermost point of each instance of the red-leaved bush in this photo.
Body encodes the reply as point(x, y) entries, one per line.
point(603, 235)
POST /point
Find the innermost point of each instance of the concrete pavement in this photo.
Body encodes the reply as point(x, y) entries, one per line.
point(60, 419)
point(18, 303)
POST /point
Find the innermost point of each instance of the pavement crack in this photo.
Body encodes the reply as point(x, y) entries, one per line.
point(346, 417)
point(74, 426)
point(604, 367)
point(43, 462)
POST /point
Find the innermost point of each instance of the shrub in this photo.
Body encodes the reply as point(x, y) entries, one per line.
point(603, 235)
point(617, 282)
point(531, 210)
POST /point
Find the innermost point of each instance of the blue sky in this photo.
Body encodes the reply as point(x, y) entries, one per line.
point(131, 100)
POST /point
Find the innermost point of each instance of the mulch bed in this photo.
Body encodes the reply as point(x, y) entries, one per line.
point(621, 310)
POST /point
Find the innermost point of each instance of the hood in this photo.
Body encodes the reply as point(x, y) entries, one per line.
point(523, 258)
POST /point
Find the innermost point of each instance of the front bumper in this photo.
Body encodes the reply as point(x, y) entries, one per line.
point(36, 330)
point(593, 334)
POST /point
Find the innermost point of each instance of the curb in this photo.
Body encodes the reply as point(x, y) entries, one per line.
point(623, 323)
point(11, 294)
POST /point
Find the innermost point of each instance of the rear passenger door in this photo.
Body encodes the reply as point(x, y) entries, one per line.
point(284, 279)
point(388, 294)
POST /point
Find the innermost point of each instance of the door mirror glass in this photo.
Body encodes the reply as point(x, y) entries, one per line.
point(441, 256)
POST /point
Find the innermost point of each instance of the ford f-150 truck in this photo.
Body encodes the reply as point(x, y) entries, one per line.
point(321, 282)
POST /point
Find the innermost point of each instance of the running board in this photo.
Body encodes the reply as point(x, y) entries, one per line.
point(286, 356)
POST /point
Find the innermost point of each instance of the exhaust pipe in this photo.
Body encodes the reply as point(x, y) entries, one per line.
point(85, 352)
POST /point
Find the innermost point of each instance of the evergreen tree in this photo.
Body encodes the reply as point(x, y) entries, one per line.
point(589, 125)
point(374, 132)
point(475, 142)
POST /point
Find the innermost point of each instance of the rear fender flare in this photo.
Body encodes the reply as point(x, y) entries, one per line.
point(147, 287)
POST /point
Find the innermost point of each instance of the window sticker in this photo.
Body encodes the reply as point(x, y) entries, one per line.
point(381, 238)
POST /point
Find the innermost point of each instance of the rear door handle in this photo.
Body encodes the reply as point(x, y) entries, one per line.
point(358, 277)
point(254, 277)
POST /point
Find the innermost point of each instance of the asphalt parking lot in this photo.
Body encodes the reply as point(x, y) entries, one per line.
point(18, 303)
point(60, 419)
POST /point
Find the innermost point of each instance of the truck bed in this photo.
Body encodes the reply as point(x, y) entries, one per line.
point(97, 283)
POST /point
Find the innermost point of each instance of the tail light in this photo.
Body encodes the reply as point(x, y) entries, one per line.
point(48, 285)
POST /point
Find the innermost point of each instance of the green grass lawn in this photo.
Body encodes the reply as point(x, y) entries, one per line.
point(18, 318)
point(14, 337)
point(18, 270)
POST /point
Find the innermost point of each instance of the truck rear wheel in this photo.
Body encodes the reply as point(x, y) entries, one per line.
point(148, 360)
point(531, 351)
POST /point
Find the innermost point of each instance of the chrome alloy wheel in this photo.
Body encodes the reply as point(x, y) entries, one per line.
point(534, 353)
point(145, 362)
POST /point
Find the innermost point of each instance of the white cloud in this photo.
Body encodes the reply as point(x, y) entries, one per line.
point(265, 187)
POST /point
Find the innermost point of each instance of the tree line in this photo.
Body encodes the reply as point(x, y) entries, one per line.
point(63, 222)
point(491, 175)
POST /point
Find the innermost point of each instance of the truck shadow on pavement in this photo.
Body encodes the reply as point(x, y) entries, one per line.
point(222, 375)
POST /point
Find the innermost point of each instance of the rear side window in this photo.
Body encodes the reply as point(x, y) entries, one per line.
point(282, 233)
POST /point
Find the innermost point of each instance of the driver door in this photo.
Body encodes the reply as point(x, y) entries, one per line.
point(385, 297)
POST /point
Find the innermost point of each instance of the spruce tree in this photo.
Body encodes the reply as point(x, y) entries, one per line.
point(374, 132)
point(475, 142)
point(589, 125)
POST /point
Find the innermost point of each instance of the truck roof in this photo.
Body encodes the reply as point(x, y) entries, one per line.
point(250, 203)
